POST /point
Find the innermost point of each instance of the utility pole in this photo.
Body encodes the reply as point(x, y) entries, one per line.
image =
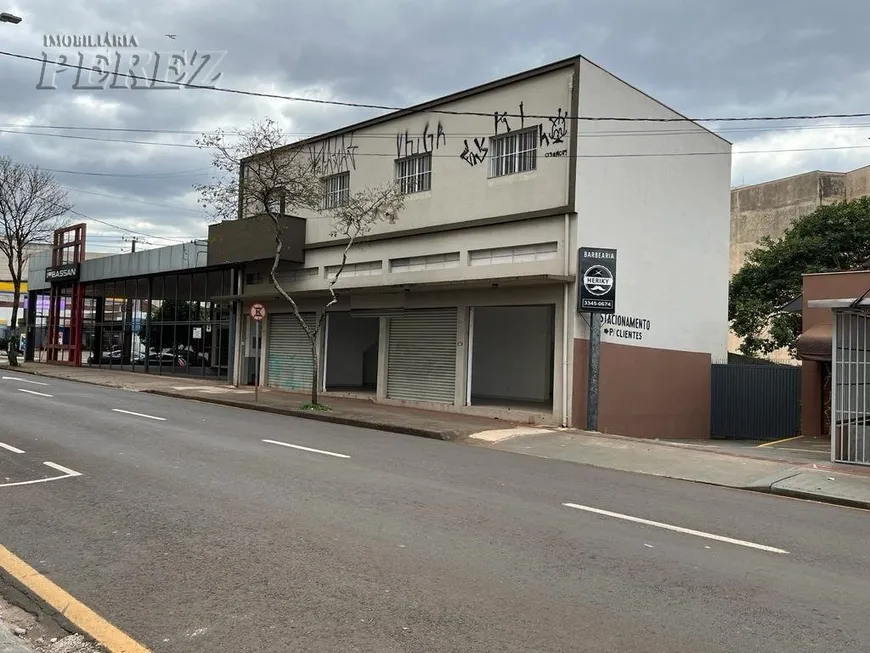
point(133, 242)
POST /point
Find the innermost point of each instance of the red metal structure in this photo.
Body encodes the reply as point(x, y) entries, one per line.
point(66, 299)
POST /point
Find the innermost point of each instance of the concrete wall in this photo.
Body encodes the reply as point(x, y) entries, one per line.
point(666, 212)
point(768, 209)
point(511, 352)
point(858, 183)
point(462, 189)
point(540, 250)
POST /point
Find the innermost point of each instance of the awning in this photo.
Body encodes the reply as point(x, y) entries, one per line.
point(796, 305)
point(814, 344)
point(265, 293)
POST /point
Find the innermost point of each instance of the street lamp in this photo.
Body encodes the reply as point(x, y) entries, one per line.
point(9, 18)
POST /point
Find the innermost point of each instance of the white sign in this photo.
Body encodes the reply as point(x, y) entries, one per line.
point(197, 333)
point(258, 311)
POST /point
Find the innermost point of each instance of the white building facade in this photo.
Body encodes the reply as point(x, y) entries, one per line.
point(468, 301)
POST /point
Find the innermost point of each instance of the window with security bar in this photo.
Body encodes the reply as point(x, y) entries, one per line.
point(414, 174)
point(514, 152)
point(336, 190)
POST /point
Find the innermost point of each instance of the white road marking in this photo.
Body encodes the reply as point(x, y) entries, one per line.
point(296, 446)
point(15, 378)
point(129, 412)
point(67, 473)
point(677, 529)
point(34, 392)
point(61, 468)
point(9, 447)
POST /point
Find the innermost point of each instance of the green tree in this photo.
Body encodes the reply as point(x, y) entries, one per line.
point(831, 238)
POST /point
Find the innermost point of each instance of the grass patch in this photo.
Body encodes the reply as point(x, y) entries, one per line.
point(317, 407)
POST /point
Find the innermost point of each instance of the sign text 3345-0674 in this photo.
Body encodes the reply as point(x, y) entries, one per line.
point(132, 69)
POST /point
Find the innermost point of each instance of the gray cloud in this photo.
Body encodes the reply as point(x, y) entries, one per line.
point(704, 59)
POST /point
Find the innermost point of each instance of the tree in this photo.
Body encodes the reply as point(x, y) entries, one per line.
point(258, 174)
point(831, 238)
point(32, 206)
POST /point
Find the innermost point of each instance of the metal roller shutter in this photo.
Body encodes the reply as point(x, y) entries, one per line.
point(289, 356)
point(421, 356)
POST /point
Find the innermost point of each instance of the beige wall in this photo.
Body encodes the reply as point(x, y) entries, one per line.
point(460, 191)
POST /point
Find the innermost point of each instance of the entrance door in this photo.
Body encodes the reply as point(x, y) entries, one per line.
point(421, 356)
point(289, 356)
point(850, 432)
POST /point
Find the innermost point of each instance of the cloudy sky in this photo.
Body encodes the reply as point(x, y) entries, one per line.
point(706, 59)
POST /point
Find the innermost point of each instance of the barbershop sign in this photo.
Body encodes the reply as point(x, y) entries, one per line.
point(597, 284)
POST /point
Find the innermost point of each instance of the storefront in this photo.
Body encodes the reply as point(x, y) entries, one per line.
point(153, 311)
point(835, 352)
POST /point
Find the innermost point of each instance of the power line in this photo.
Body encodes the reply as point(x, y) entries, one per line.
point(382, 107)
point(598, 134)
point(127, 199)
point(390, 155)
point(104, 140)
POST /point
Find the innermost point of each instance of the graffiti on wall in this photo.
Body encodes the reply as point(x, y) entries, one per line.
point(428, 142)
point(474, 153)
point(557, 131)
point(505, 121)
point(334, 155)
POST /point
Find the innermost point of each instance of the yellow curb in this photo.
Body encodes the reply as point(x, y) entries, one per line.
point(76, 612)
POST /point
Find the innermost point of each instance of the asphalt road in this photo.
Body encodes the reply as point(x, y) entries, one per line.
point(193, 535)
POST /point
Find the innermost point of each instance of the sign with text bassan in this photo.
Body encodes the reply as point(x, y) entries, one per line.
point(596, 287)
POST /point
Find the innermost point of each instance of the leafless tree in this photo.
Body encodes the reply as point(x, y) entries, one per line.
point(32, 206)
point(258, 173)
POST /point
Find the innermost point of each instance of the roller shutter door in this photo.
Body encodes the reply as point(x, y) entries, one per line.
point(289, 362)
point(421, 356)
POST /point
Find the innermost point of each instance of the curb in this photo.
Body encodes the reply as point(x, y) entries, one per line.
point(808, 496)
point(447, 436)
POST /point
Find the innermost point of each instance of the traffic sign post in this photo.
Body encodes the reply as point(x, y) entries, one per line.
point(257, 312)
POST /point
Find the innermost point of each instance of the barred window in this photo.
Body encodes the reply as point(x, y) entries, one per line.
point(336, 190)
point(414, 174)
point(514, 152)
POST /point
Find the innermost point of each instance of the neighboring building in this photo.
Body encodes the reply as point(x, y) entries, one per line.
point(768, 209)
point(7, 288)
point(835, 350)
point(467, 302)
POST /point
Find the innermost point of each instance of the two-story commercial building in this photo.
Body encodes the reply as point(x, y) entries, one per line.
point(468, 301)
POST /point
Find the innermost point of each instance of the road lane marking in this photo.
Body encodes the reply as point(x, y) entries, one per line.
point(61, 468)
point(296, 446)
point(67, 473)
point(34, 392)
point(129, 412)
point(677, 529)
point(80, 615)
point(15, 378)
point(9, 447)
point(770, 444)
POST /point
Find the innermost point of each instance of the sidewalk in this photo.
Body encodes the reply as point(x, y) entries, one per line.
point(775, 473)
point(352, 412)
